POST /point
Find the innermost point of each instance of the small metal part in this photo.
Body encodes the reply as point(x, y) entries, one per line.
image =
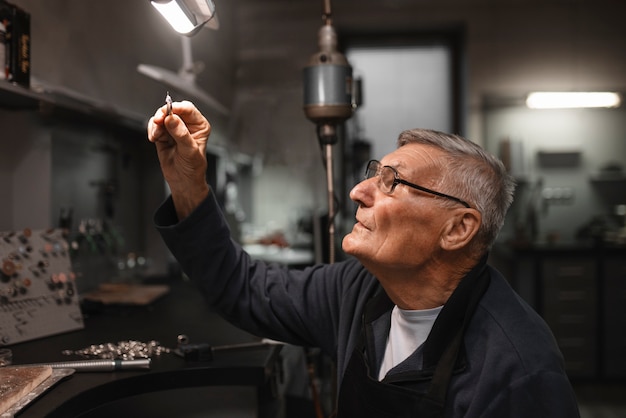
point(192, 352)
point(123, 350)
point(168, 102)
point(182, 339)
point(96, 365)
point(195, 352)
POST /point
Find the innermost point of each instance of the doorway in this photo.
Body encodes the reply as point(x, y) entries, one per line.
point(407, 80)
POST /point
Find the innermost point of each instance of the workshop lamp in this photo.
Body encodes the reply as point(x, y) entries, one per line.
point(187, 16)
point(570, 100)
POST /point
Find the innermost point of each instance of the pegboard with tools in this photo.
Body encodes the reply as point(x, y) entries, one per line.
point(38, 295)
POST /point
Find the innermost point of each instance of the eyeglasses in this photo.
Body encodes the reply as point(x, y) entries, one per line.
point(388, 179)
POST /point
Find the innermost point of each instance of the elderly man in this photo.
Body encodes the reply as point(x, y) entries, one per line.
point(417, 321)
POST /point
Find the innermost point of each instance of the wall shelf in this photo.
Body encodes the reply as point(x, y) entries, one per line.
point(63, 105)
point(14, 96)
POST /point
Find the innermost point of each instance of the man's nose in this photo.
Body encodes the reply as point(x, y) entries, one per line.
point(363, 192)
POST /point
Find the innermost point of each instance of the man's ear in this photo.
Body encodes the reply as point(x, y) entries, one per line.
point(460, 229)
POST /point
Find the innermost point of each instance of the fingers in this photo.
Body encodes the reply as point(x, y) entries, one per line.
point(156, 131)
point(177, 129)
point(184, 123)
point(186, 110)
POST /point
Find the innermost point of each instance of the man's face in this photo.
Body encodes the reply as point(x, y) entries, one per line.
point(401, 229)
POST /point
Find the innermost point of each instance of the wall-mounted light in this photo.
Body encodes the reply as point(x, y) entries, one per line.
point(569, 100)
point(187, 16)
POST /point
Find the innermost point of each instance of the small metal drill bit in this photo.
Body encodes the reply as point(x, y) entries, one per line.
point(168, 102)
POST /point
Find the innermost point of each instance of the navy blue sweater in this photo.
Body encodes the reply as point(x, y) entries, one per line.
point(510, 367)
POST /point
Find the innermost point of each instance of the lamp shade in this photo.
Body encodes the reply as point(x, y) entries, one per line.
point(187, 17)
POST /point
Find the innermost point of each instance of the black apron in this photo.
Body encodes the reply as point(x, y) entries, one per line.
point(362, 396)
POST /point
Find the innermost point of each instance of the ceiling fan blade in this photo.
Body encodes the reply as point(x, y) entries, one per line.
point(187, 87)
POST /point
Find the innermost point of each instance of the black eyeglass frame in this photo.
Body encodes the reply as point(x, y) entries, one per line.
point(397, 180)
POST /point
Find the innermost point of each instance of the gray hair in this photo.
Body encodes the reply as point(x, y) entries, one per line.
point(473, 175)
